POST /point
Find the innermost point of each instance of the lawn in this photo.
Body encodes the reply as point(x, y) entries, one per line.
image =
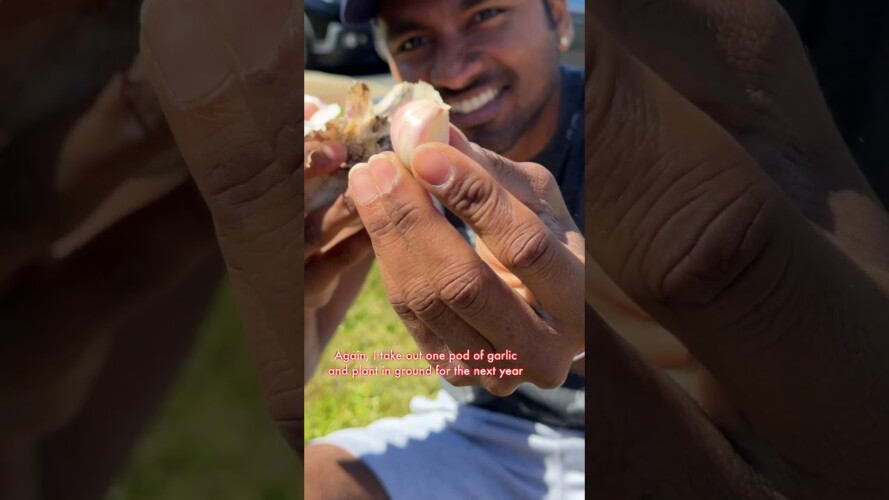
point(335, 402)
point(212, 438)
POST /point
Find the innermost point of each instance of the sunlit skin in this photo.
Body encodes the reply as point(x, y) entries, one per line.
point(466, 48)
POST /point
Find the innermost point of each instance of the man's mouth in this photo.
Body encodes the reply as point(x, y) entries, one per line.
point(476, 102)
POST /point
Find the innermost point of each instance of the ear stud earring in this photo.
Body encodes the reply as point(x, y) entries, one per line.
point(564, 42)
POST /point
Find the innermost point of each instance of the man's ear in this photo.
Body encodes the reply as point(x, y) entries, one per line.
point(563, 25)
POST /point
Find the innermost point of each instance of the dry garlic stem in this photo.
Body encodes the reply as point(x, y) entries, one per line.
point(418, 122)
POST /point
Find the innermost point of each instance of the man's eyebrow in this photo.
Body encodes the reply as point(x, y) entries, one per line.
point(468, 4)
point(400, 28)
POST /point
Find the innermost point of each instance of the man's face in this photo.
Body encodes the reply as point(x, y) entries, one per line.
point(494, 61)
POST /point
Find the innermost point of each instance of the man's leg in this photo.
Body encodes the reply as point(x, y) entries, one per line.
point(452, 450)
point(332, 473)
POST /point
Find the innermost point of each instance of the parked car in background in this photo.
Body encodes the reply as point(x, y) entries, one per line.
point(577, 9)
point(335, 48)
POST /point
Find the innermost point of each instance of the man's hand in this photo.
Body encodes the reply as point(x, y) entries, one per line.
point(722, 201)
point(337, 253)
point(526, 297)
point(229, 79)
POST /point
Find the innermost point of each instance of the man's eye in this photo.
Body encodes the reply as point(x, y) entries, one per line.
point(485, 14)
point(412, 43)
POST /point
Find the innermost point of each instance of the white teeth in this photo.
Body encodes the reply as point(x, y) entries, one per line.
point(475, 103)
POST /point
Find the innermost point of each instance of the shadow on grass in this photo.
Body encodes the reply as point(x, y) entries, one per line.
point(212, 438)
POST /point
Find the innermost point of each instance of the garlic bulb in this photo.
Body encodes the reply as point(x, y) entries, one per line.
point(362, 126)
point(418, 122)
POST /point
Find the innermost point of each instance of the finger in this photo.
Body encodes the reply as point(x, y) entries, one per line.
point(701, 239)
point(754, 89)
point(432, 264)
point(56, 323)
point(417, 304)
point(324, 268)
point(651, 439)
point(765, 94)
point(251, 182)
point(525, 181)
point(725, 38)
point(651, 340)
point(59, 173)
point(516, 236)
point(265, 41)
point(323, 225)
point(427, 341)
point(249, 178)
point(119, 136)
point(322, 159)
point(325, 181)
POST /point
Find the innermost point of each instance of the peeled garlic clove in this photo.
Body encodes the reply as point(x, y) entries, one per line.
point(418, 122)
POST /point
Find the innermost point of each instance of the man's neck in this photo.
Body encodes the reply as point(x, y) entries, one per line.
point(539, 135)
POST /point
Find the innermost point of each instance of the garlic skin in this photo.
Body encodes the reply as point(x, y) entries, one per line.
point(318, 122)
point(362, 126)
point(418, 122)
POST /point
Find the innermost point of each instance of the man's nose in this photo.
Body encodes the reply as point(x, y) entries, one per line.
point(456, 64)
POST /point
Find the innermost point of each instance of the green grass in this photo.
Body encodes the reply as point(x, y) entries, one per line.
point(213, 438)
point(334, 402)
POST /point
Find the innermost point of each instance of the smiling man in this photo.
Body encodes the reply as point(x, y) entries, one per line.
point(496, 63)
point(493, 62)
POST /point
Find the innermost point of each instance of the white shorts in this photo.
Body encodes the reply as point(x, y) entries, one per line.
point(445, 450)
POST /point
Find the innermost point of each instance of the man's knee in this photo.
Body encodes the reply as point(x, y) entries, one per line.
point(332, 473)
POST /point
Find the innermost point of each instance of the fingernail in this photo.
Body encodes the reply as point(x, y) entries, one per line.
point(432, 166)
point(255, 30)
point(384, 173)
point(364, 189)
point(349, 207)
point(187, 52)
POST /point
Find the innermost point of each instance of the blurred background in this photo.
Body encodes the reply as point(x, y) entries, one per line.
point(212, 439)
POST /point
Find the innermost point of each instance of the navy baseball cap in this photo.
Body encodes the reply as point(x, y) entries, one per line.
point(357, 12)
